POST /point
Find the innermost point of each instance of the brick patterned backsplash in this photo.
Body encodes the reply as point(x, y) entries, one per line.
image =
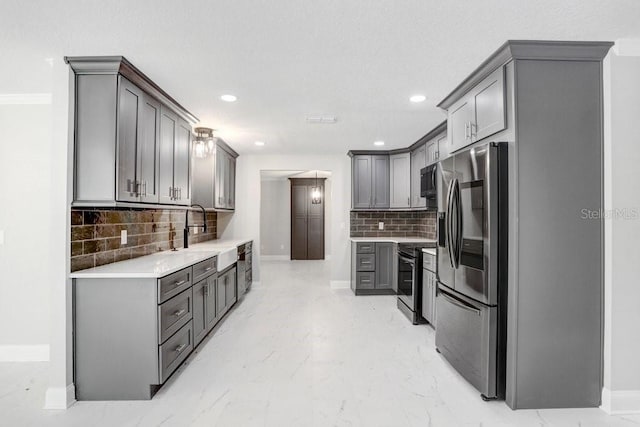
point(95, 233)
point(396, 224)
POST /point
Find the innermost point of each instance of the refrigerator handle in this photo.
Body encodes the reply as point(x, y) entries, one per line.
point(458, 223)
point(449, 224)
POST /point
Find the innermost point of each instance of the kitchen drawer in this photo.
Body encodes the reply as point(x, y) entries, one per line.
point(203, 269)
point(171, 285)
point(248, 277)
point(249, 259)
point(173, 314)
point(365, 248)
point(429, 262)
point(365, 262)
point(248, 246)
point(173, 352)
point(365, 280)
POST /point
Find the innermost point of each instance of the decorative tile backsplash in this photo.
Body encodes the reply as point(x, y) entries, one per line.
point(396, 224)
point(95, 233)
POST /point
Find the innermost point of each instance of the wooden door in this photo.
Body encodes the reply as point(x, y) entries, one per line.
point(307, 220)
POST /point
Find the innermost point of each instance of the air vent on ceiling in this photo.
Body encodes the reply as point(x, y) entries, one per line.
point(325, 120)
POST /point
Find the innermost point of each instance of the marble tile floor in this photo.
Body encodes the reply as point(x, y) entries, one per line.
point(297, 353)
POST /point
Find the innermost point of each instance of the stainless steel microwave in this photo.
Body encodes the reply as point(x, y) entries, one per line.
point(428, 184)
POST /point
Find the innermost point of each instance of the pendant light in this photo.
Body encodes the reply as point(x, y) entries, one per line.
point(316, 193)
point(204, 142)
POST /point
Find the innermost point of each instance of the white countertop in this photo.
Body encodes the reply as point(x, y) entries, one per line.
point(159, 264)
point(395, 240)
point(430, 251)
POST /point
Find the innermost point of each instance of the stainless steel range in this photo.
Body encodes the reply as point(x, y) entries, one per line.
point(410, 280)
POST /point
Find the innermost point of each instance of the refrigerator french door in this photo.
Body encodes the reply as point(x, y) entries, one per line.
point(472, 247)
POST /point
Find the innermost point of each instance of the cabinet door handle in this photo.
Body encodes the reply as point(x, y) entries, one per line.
point(171, 193)
point(181, 348)
point(466, 131)
point(208, 269)
point(472, 126)
point(180, 312)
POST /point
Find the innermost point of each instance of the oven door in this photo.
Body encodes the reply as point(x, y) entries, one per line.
point(406, 280)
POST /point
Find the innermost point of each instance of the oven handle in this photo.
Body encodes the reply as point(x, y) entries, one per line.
point(407, 260)
point(458, 303)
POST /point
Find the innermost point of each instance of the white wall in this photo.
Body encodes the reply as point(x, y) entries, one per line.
point(246, 220)
point(25, 167)
point(275, 217)
point(622, 234)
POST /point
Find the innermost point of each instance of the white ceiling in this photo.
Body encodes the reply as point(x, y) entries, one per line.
point(359, 60)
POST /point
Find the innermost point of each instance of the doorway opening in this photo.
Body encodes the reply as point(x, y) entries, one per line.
point(295, 214)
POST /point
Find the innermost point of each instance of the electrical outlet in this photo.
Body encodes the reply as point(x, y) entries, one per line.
point(123, 237)
point(381, 226)
point(195, 230)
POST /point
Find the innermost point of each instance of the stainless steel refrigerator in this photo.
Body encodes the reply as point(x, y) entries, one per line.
point(472, 265)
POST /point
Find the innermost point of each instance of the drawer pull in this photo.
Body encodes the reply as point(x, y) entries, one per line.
point(175, 285)
point(181, 348)
point(208, 269)
point(180, 312)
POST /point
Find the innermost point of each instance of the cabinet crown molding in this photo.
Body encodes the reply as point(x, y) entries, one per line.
point(541, 50)
point(120, 65)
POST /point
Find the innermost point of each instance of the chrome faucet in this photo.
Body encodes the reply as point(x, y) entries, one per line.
point(187, 226)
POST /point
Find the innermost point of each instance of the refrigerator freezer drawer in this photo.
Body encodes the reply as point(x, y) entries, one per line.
point(466, 336)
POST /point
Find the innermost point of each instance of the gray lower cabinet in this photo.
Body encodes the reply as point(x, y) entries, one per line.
point(429, 286)
point(131, 334)
point(370, 181)
point(385, 257)
point(204, 307)
point(227, 293)
point(373, 271)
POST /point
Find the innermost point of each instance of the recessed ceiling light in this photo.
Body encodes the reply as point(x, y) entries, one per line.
point(259, 143)
point(417, 98)
point(229, 98)
point(378, 143)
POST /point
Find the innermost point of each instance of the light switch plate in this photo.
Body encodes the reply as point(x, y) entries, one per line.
point(381, 226)
point(123, 237)
point(195, 230)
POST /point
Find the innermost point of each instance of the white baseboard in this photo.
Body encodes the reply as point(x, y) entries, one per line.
point(24, 353)
point(60, 398)
point(275, 258)
point(620, 402)
point(340, 284)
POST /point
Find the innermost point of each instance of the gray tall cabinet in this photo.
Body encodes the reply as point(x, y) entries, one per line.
point(545, 100)
point(131, 139)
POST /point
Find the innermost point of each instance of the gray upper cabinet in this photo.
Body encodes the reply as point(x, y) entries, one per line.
point(131, 139)
point(370, 182)
point(174, 163)
point(479, 114)
point(400, 181)
point(138, 125)
point(443, 146)
point(380, 181)
point(361, 179)
point(418, 161)
point(214, 178)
